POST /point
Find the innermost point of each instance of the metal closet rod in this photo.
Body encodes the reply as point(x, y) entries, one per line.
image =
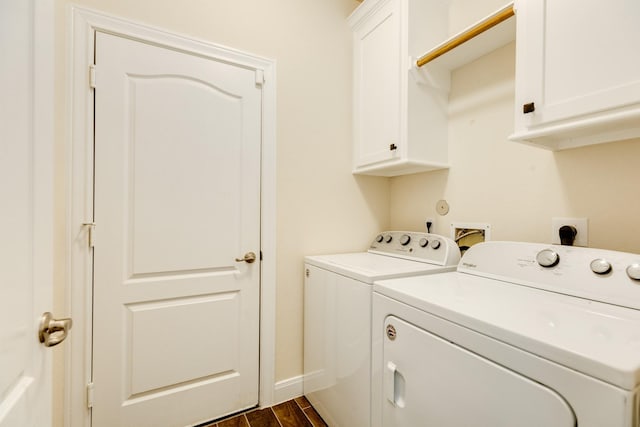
point(490, 22)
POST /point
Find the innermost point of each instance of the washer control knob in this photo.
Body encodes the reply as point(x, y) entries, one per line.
point(548, 258)
point(600, 266)
point(633, 271)
point(405, 239)
point(435, 244)
point(379, 238)
point(388, 238)
point(423, 242)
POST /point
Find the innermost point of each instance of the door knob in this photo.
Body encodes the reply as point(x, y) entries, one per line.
point(53, 331)
point(249, 257)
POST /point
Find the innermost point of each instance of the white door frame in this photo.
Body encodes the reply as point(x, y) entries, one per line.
point(83, 25)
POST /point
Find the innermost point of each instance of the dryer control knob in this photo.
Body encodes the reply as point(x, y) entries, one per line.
point(548, 258)
point(423, 242)
point(379, 238)
point(435, 244)
point(633, 271)
point(600, 266)
point(388, 238)
point(405, 239)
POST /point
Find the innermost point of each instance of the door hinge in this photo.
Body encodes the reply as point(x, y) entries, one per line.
point(92, 76)
point(91, 232)
point(90, 395)
point(259, 77)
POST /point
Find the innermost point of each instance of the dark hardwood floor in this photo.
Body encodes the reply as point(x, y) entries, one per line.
point(297, 412)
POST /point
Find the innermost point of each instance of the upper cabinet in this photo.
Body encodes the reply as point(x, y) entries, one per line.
point(577, 72)
point(400, 123)
point(401, 108)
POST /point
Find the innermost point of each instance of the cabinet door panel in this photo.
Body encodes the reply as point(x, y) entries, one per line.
point(377, 83)
point(590, 62)
point(576, 60)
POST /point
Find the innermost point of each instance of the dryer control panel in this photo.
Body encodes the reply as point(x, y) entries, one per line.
point(595, 274)
point(416, 246)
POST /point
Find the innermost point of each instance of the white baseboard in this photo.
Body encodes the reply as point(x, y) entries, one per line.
point(287, 389)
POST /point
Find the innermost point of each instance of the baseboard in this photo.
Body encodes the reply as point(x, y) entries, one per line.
point(287, 389)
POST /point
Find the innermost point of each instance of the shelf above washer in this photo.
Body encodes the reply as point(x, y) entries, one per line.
point(486, 35)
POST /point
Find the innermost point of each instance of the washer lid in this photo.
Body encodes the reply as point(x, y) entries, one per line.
point(597, 339)
point(367, 267)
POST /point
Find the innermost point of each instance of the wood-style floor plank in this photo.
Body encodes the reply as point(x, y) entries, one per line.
point(302, 402)
point(313, 416)
point(237, 421)
point(262, 418)
point(290, 415)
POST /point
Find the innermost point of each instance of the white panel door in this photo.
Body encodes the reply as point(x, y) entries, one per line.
point(25, 215)
point(177, 200)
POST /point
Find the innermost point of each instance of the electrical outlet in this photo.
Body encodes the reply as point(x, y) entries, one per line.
point(581, 225)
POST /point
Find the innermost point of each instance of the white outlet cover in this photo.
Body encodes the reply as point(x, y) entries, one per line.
point(581, 224)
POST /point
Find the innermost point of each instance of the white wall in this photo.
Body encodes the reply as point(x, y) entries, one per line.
point(514, 187)
point(322, 208)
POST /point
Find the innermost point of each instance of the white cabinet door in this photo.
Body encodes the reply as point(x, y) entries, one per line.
point(177, 200)
point(400, 122)
point(26, 191)
point(377, 86)
point(577, 79)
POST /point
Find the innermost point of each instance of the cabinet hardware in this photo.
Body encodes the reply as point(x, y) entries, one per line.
point(528, 108)
point(393, 147)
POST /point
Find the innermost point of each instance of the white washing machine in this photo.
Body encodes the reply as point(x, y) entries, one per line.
point(521, 335)
point(337, 317)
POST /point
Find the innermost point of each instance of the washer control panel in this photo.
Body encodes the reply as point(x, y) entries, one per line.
point(417, 246)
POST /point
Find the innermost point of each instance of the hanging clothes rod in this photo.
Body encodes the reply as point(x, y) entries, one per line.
point(484, 25)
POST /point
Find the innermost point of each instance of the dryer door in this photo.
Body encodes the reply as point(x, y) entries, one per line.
point(431, 382)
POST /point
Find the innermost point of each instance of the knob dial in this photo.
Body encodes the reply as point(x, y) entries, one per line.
point(388, 238)
point(548, 258)
point(405, 239)
point(435, 244)
point(423, 242)
point(633, 271)
point(379, 238)
point(600, 266)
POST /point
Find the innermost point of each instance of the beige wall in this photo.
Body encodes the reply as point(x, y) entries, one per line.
point(514, 187)
point(322, 208)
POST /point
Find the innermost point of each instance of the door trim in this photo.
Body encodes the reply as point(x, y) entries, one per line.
point(82, 25)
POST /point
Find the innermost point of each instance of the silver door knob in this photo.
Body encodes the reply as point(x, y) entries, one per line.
point(249, 257)
point(53, 331)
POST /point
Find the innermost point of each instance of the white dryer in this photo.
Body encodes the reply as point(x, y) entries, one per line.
point(337, 317)
point(521, 335)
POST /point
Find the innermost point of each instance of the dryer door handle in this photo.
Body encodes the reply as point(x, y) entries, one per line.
point(394, 385)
